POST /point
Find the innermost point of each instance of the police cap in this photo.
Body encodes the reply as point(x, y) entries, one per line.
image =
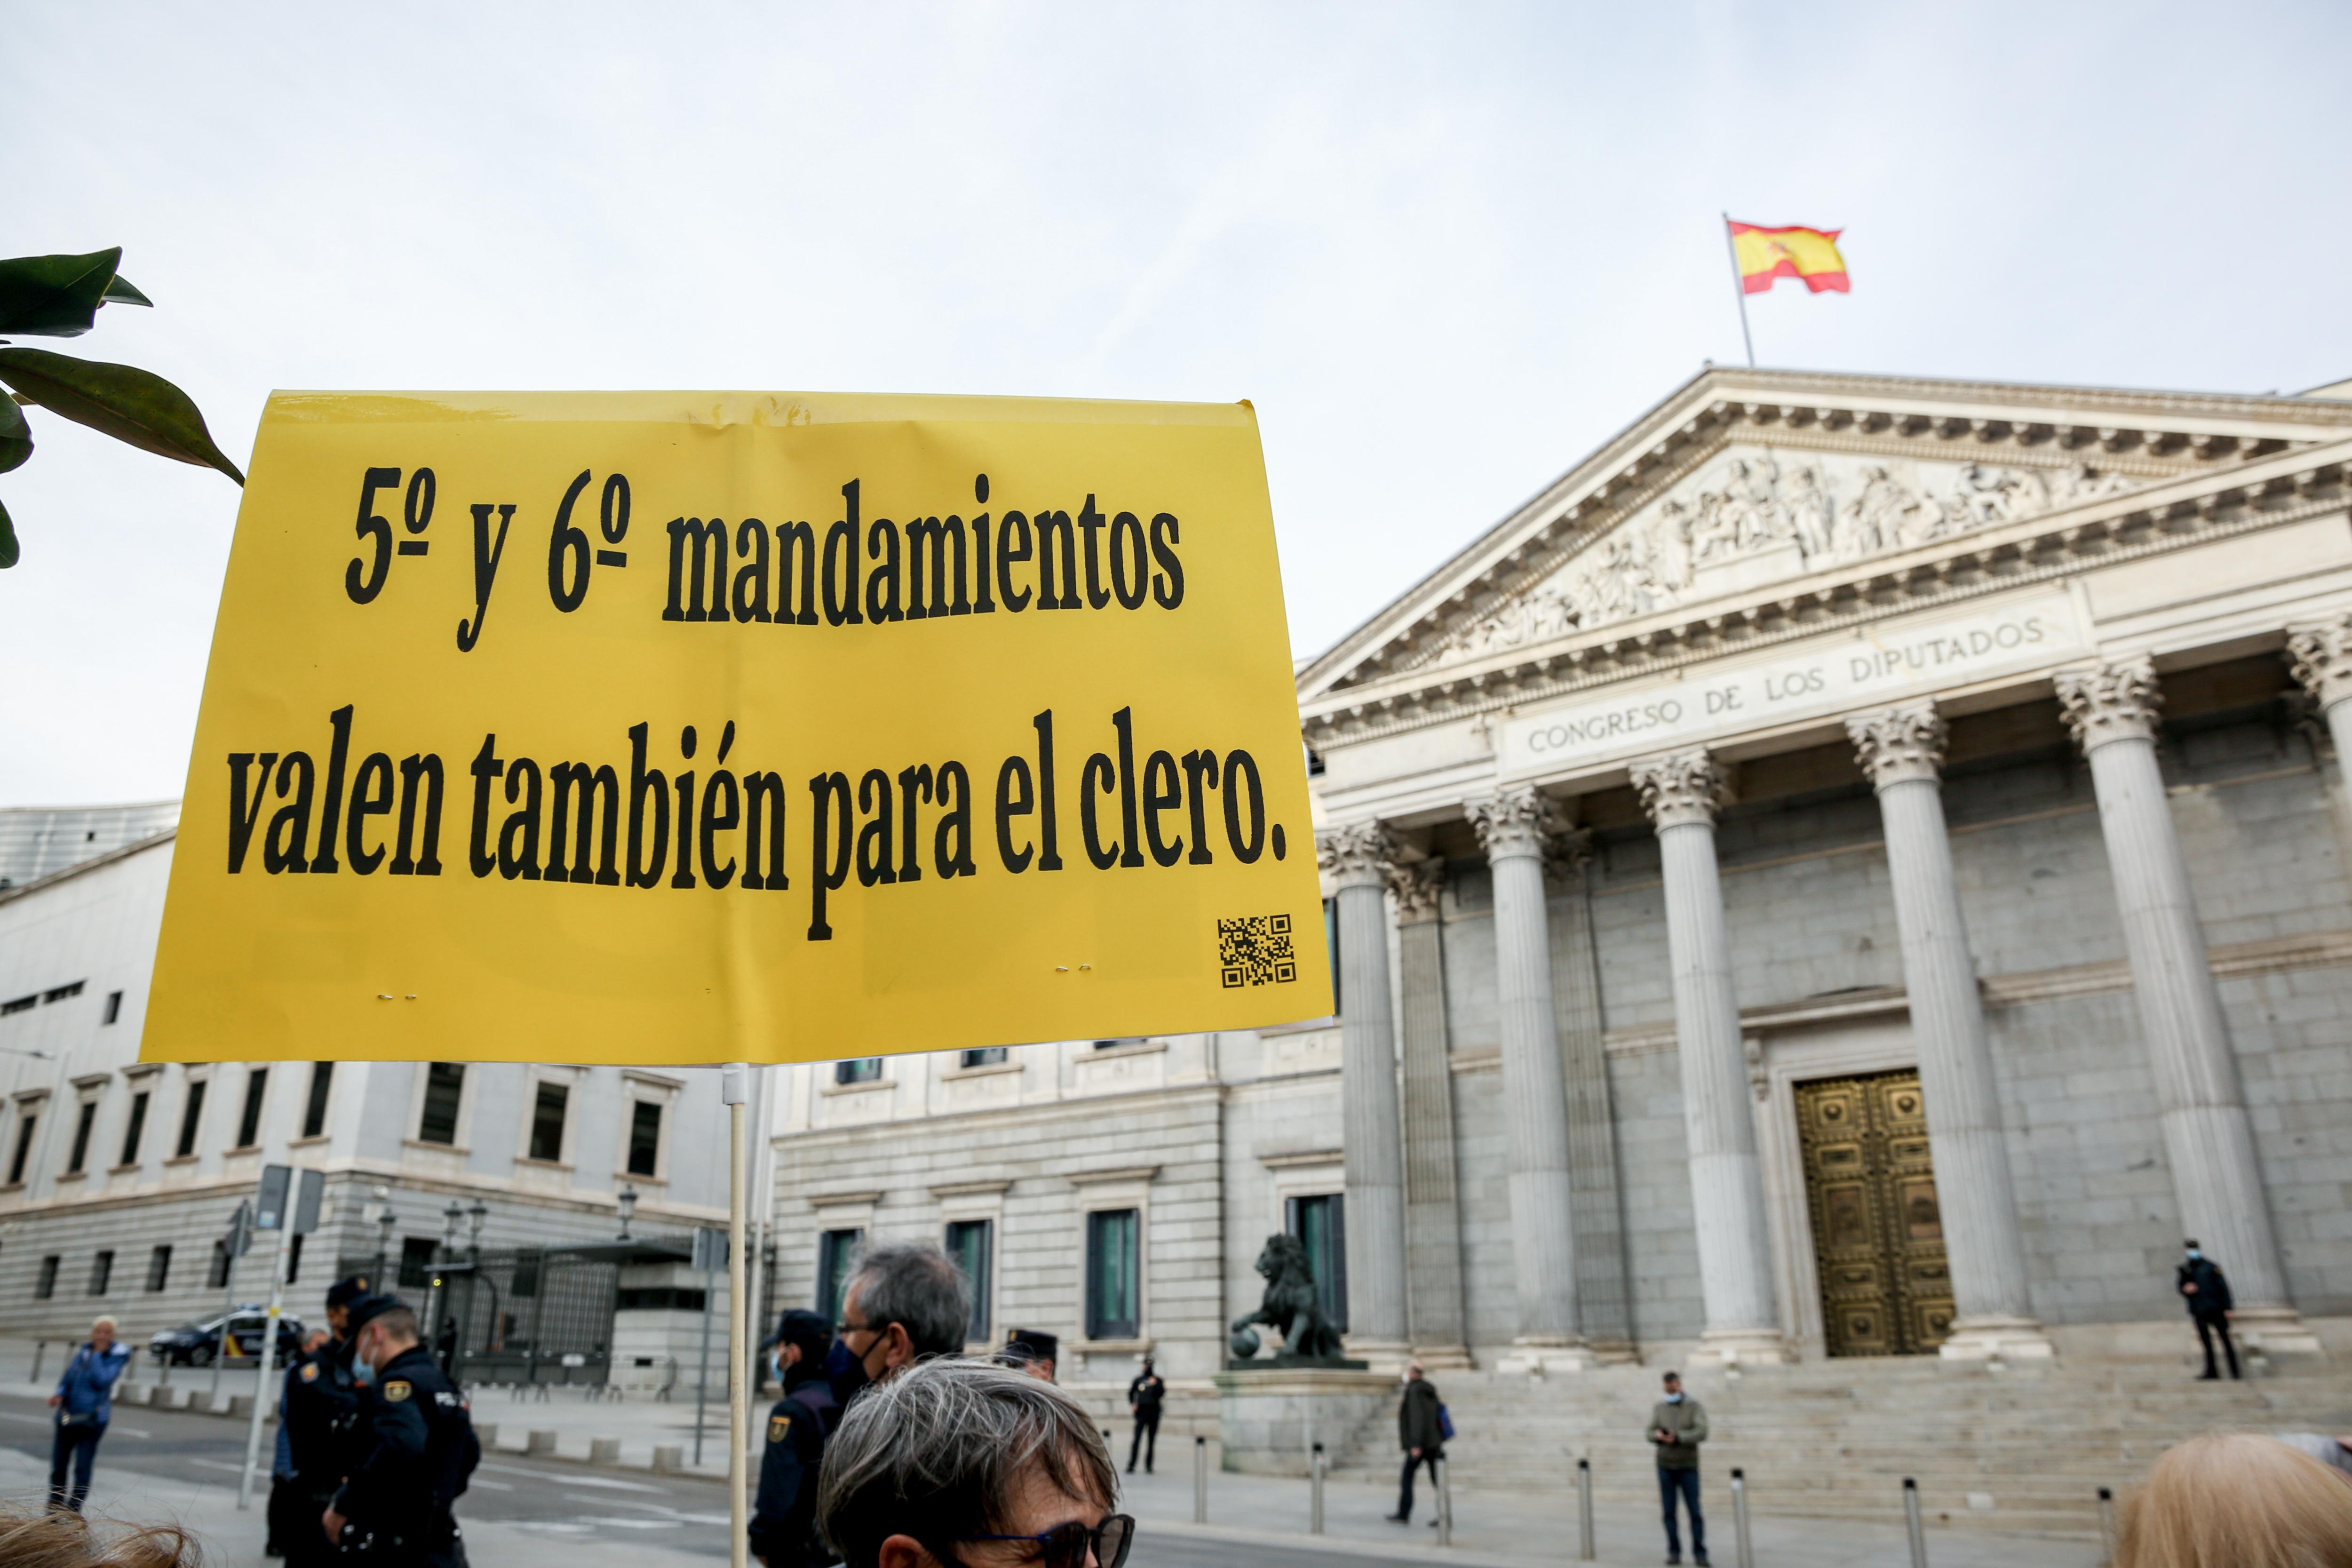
point(1032, 1344)
point(810, 1331)
point(368, 1309)
point(343, 1292)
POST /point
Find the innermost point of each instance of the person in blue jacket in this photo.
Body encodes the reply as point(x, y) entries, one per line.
point(84, 1403)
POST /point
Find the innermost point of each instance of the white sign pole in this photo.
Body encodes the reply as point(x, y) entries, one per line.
point(733, 1082)
point(269, 1354)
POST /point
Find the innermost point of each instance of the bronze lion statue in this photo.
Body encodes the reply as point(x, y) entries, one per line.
point(1289, 1306)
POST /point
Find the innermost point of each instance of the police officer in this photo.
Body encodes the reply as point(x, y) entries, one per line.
point(783, 1526)
point(417, 1447)
point(322, 1408)
point(1033, 1351)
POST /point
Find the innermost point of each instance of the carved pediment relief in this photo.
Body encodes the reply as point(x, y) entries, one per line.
point(1755, 516)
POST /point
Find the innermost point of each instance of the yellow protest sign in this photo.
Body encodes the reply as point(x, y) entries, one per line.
point(697, 727)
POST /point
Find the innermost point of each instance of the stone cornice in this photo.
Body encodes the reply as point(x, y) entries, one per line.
point(2197, 509)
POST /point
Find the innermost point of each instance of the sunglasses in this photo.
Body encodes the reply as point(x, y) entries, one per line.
point(1065, 1545)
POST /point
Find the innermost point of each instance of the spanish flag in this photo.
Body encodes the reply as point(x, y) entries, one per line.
point(1765, 254)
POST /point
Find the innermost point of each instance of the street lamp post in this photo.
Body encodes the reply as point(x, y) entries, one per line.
point(451, 1218)
point(384, 1226)
point(628, 1205)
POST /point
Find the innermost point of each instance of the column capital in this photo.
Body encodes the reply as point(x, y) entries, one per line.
point(1356, 856)
point(1566, 856)
point(1899, 744)
point(2321, 656)
point(1515, 822)
point(2105, 702)
point(1682, 786)
point(1417, 885)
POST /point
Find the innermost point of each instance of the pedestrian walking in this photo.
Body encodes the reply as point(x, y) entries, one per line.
point(2206, 1289)
point(1145, 1396)
point(84, 1403)
point(418, 1450)
point(783, 1525)
point(1419, 1435)
point(1677, 1427)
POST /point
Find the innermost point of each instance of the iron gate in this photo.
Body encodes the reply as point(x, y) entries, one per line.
point(525, 1314)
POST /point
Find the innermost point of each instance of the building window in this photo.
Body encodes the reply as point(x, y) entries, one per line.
point(216, 1276)
point(26, 1125)
point(248, 1121)
point(546, 1122)
point(159, 1269)
point(314, 1110)
point(101, 1272)
point(837, 1251)
point(1321, 1224)
point(135, 1129)
point(445, 1087)
point(968, 1244)
point(858, 1069)
point(416, 1261)
point(645, 1138)
point(192, 1118)
point(1111, 1274)
point(114, 1006)
point(46, 1285)
point(986, 1056)
point(20, 1005)
point(59, 993)
point(84, 1120)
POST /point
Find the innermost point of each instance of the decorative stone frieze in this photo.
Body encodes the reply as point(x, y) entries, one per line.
point(2321, 658)
point(1356, 856)
point(1515, 822)
point(1682, 786)
point(1897, 744)
point(2110, 702)
point(1417, 886)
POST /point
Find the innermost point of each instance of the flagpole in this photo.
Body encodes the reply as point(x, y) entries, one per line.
point(1739, 291)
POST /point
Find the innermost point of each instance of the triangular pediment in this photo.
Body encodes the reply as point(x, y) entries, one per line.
point(1745, 483)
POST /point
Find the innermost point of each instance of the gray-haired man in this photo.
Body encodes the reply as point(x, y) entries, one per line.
point(968, 1463)
point(905, 1301)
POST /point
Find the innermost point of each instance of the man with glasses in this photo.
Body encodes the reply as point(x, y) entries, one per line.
point(965, 1464)
point(905, 1301)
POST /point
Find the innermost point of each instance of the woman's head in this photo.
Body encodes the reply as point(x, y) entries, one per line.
point(31, 1538)
point(2233, 1500)
point(101, 1333)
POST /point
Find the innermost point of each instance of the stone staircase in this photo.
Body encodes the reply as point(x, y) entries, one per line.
point(2023, 1447)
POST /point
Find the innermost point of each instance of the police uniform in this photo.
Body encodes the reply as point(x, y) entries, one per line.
point(783, 1532)
point(416, 1446)
point(322, 1408)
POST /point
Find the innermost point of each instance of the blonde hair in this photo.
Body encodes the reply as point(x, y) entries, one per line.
point(31, 1538)
point(109, 1324)
point(2234, 1499)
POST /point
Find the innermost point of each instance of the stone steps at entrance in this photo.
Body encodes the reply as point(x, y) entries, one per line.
point(2019, 1449)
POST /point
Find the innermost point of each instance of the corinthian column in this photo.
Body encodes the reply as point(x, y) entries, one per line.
point(1356, 859)
point(2112, 711)
point(1514, 826)
point(1681, 791)
point(1901, 751)
point(2321, 658)
point(1433, 1215)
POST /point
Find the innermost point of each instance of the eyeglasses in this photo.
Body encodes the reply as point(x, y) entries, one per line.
point(846, 1327)
point(1065, 1545)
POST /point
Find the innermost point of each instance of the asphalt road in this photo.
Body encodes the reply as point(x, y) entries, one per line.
point(562, 1500)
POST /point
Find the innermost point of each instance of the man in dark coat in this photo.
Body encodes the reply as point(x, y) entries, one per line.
point(322, 1408)
point(1419, 1435)
point(418, 1450)
point(783, 1525)
point(2207, 1291)
point(1145, 1396)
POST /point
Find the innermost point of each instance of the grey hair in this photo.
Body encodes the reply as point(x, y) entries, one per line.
point(915, 1284)
point(936, 1453)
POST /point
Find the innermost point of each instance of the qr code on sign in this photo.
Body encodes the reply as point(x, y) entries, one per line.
point(1255, 950)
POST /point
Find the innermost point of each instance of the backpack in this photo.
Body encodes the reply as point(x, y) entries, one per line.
point(1444, 1424)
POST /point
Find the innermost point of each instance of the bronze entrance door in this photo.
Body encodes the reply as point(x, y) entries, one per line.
point(1878, 1235)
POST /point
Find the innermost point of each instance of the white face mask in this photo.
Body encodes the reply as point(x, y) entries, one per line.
point(1675, 1398)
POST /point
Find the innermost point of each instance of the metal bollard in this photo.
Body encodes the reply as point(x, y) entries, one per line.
point(1911, 1517)
point(1199, 1481)
point(1746, 1549)
point(1444, 1502)
point(1315, 1493)
point(1584, 1510)
point(40, 1351)
point(2106, 1527)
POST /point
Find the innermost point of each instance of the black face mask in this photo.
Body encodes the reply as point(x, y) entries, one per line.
point(844, 1372)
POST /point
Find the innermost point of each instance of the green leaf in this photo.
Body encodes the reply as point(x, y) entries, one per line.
point(7, 540)
point(119, 290)
point(125, 402)
point(55, 296)
point(16, 436)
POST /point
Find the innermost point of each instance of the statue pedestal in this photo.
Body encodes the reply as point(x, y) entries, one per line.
point(1268, 1416)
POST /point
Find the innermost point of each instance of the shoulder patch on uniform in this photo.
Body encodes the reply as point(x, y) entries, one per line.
point(777, 1426)
point(310, 1372)
point(396, 1390)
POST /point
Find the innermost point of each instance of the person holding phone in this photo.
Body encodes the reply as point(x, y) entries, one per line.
point(84, 1403)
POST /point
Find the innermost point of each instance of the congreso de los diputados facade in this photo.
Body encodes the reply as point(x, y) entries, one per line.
point(1855, 867)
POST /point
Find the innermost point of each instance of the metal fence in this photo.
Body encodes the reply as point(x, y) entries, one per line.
point(519, 1315)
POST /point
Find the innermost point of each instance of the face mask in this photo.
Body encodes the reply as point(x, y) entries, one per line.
point(2194, 1255)
point(1675, 1398)
point(361, 1373)
point(844, 1372)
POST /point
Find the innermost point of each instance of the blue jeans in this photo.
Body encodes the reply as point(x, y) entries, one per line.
point(1685, 1483)
point(77, 1444)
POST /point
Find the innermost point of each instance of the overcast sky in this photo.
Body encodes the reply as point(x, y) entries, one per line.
point(1446, 250)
